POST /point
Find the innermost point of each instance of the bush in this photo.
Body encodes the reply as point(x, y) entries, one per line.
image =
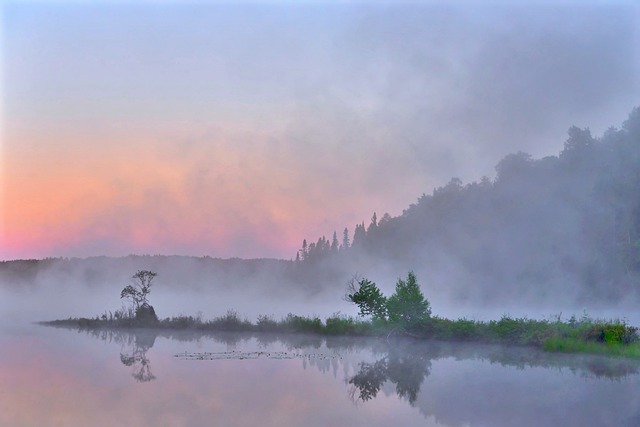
point(337, 325)
point(230, 322)
point(293, 323)
point(611, 333)
point(266, 324)
point(179, 322)
point(463, 329)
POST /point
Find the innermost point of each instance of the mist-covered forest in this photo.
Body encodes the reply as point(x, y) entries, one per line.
point(563, 227)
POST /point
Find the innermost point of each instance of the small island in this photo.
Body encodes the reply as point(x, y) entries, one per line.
point(406, 313)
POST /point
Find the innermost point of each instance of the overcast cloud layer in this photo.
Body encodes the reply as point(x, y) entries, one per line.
point(239, 130)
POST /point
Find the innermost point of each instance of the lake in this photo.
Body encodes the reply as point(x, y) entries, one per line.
point(65, 377)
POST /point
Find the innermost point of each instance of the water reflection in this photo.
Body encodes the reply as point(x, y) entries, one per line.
point(405, 363)
point(136, 357)
point(428, 383)
point(134, 343)
point(405, 370)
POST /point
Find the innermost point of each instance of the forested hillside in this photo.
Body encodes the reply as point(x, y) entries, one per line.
point(560, 224)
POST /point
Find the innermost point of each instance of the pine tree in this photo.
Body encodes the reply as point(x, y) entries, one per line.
point(408, 306)
point(359, 235)
point(334, 242)
point(345, 239)
point(373, 228)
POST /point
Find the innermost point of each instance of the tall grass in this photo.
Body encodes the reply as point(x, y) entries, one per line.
point(576, 345)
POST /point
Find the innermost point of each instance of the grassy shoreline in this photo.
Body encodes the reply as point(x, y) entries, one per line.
point(606, 337)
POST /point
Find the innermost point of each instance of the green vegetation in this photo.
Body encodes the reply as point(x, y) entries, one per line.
point(369, 299)
point(407, 308)
point(229, 322)
point(406, 313)
point(575, 345)
point(584, 336)
point(551, 335)
point(409, 312)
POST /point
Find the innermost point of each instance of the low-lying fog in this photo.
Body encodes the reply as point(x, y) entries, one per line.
point(52, 296)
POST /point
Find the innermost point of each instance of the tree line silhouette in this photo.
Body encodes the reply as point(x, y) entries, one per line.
point(567, 220)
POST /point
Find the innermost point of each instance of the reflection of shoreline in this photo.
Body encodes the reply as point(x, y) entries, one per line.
point(520, 357)
point(451, 384)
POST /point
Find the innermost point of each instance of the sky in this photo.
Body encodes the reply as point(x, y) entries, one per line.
point(239, 129)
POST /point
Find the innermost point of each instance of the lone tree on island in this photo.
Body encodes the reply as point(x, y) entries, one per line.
point(138, 292)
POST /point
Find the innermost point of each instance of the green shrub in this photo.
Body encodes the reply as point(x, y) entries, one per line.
point(611, 333)
point(293, 323)
point(337, 325)
point(230, 322)
point(463, 329)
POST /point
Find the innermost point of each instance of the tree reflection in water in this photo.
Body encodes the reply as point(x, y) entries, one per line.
point(405, 363)
point(137, 358)
point(406, 370)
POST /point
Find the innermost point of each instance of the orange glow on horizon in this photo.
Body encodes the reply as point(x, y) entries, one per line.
point(224, 193)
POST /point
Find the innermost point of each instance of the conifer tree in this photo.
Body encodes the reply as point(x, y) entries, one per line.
point(334, 242)
point(345, 239)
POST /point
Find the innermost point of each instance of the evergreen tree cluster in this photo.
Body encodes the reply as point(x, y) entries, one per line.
point(363, 237)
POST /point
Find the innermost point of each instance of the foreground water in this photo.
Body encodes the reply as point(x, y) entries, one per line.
point(63, 377)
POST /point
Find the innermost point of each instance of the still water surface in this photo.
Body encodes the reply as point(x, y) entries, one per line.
point(65, 377)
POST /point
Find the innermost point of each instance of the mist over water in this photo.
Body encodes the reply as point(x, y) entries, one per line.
point(207, 287)
point(62, 289)
point(209, 293)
